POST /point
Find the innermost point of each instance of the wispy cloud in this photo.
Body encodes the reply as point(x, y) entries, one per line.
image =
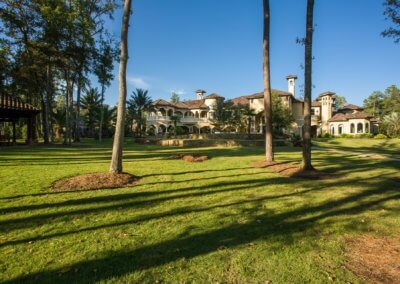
point(179, 92)
point(138, 82)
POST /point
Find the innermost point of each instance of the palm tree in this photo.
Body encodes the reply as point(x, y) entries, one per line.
point(58, 120)
point(109, 116)
point(175, 119)
point(91, 104)
point(248, 114)
point(142, 101)
point(116, 158)
point(131, 114)
point(306, 161)
point(104, 64)
point(269, 150)
point(391, 123)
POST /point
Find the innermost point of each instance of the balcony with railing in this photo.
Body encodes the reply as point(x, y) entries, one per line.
point(185, 119)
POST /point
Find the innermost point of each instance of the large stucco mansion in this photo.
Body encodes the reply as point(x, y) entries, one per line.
point(196, 115)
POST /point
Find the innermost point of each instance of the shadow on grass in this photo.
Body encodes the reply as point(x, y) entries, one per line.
point(283, 226)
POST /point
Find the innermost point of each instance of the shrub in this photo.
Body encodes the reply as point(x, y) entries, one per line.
point(296, 140)
point(180, 130)
point(346, 136)
point(7, 132)
point(326, 135)
point(380, 136)
point(365, 135)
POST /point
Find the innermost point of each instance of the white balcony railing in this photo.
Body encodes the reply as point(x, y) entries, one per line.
point(158, 118)
point(190, 119)
point(187, 119)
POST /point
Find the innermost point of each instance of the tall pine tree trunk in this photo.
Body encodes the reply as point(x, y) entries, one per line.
point(306, 161)
point(101, 113)
point(78, 109)
point(67, 118)
point(116, 159)
point(48, 99)
point(269, 150)
point(71, 112)
point(45, 117)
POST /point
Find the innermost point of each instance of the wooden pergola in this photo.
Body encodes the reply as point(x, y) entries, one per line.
point(12, 109)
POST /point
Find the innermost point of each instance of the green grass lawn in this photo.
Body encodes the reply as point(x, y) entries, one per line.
point(386, 147)
point(218, 221)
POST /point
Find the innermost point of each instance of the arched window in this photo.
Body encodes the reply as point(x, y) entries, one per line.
point(340, 129)
point(359, 128)
point(332, 130)
point(367, 127)
point(352, 128)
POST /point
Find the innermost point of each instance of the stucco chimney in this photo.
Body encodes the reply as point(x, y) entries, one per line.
point(292, 84)
point(200, 94)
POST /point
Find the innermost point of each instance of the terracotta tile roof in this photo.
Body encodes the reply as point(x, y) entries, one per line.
point(344, 117)
point(274, 92)
point(295, 100)
point(338, 117)
point(240, 101)
point(195, 104)
point(315, 103)
point(359, 115)
point(214, 96)
point(352, 107)
point(161, 102)
point(180, 105)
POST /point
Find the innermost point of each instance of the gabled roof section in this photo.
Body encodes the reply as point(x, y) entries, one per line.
point(345, 117)
point(338, 117)
point(161, 102)
point(274, 92)
point(315, 103)
point(195, 104)
point(214, 96)
point(181, 105)
point(351, 107)
point(240, 101)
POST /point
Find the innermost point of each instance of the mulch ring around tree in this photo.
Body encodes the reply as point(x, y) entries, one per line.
point(95, 181)
point(191, 158)
point(293, 170)
point(374, 259)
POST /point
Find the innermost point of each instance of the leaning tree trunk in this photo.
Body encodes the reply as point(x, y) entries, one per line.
point(101, 113)
point(269, 150)
point(306, 161)
point(116, 159)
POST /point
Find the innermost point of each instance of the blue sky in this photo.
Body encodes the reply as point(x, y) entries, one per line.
point(216, 45)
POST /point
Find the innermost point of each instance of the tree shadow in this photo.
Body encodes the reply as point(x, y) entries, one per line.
point(283, 227)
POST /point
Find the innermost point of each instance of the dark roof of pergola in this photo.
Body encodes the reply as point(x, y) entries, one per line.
point(12, 108)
